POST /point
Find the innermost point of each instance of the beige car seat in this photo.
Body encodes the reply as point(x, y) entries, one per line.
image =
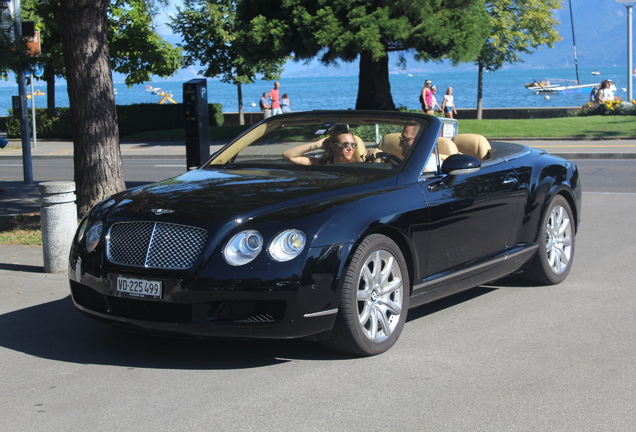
point(446, 147)
point(360, 149)
point(390, 143)
point(473, 145)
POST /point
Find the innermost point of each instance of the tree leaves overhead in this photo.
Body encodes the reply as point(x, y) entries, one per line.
point(346, 30)
point(209, 33)
point(340, 30)
point(519, 26)
point(136, 49)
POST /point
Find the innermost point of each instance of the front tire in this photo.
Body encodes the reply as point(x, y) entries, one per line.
point(553, 260)
point(374, 300)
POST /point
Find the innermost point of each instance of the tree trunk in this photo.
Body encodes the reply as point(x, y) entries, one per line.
point(374, 75)
point(49, 76)
point(480, 81)
point(239, 91)
point(97, 157)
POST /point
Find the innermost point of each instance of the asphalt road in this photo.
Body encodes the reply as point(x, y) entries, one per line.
point(502, 357)
point(612, 175)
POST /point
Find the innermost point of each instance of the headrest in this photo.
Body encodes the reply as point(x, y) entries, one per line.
point(473, 145)
point(390, 143)
point(360, 149)
point(446, 147)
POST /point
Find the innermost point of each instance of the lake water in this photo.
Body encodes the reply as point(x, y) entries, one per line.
point(502, 89)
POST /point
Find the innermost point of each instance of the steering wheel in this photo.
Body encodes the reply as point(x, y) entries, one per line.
point(390, 156)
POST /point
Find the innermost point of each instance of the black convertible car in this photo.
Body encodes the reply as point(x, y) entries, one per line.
point(325, 225)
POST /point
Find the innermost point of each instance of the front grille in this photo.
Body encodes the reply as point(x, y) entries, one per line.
point(155, 244)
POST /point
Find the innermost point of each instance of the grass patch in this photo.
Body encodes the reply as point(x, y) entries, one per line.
point(590, 127)
point(21, 230)
point(578, 127)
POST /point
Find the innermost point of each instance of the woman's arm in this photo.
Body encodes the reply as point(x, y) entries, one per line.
point(296, 154)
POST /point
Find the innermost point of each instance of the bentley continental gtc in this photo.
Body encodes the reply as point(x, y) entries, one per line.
point(328, 226)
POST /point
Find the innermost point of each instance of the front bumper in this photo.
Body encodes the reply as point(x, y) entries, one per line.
point(260, 302)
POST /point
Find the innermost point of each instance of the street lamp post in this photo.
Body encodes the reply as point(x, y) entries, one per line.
point(27, 166)
point(629, 5)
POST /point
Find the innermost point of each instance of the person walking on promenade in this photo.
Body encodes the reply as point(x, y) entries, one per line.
point(266, 108)
point(448, 104)
point(426, 97)
point(434, 102)
point(284, 103)
point(274, 96)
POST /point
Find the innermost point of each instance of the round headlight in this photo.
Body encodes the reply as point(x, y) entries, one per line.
point(243, 247)
point(82, 228)
point(287, 245)
point(93, 236)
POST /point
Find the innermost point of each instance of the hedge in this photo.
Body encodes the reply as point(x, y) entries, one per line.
point(132, 119)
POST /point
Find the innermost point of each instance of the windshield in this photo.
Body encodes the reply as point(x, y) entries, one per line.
point(311, 141)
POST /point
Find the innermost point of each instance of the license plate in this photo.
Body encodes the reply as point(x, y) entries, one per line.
point(139, 287)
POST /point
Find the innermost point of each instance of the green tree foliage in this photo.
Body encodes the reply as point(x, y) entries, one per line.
point(13, 53)
point(518, 26)
point(366, 29)
point(136, 50)
point(209, 32)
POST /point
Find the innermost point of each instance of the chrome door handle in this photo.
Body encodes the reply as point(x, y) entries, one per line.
point(510, 180)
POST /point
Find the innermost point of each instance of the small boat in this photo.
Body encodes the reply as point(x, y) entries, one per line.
point(596, 72)
point(167, 97)
point(36, 93)
point(539, 84)
point(563, 89)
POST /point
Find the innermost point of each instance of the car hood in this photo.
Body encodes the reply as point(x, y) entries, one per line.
point(217, 196)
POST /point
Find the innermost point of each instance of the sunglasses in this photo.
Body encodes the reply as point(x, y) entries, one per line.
point(347, 145)
point(406, 139)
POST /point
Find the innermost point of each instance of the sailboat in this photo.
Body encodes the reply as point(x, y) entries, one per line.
point(562, 89)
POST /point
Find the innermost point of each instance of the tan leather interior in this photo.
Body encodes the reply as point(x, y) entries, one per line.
point(390, 143)
point(360, 149)
point(473, 145)
point(446, 147)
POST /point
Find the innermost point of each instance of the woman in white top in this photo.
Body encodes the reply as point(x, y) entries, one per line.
point(448, 104)
point(605, 94)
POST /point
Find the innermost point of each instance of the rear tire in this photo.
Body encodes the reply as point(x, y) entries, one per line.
point(374, 300)
point(553, 259)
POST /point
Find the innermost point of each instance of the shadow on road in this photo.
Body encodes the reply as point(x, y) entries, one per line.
point(58, 331)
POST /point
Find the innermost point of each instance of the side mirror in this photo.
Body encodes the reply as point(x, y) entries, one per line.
point(458, 164)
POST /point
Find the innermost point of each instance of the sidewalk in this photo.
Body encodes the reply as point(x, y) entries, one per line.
point(23, 199)
point(129, 149)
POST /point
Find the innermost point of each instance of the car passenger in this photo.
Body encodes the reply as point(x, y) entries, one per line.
point(339, 148)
